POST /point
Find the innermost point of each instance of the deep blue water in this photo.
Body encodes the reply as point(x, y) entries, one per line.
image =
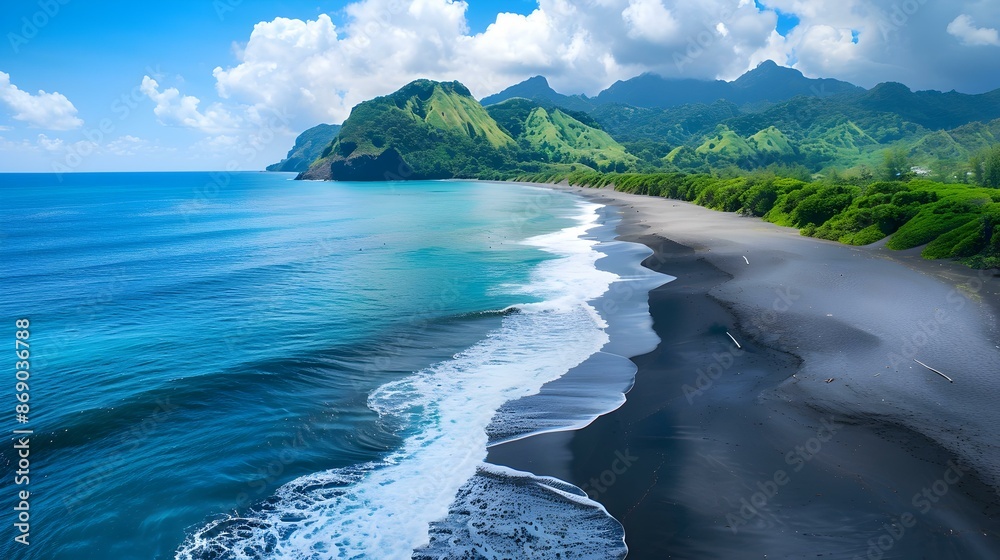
point(239, 365)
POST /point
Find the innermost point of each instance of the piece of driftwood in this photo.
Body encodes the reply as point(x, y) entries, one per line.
point(734, 340)
point(950, 380)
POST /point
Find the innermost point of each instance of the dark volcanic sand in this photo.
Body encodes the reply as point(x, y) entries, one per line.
point(745, 462)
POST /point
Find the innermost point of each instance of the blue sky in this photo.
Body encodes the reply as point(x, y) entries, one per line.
point(193, 85)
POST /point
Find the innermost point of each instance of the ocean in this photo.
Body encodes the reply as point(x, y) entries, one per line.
point(237, 365)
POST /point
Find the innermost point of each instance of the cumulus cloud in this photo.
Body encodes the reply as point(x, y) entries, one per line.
point(126, 145)
point(175, 109)
point(314, 71)
point(965, 29)
point(51, 111)
point(895, 41)
point(50, 144)
point(318, 71)
point(649, 19)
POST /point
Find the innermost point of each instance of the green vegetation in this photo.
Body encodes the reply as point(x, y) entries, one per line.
point(547, 134)
point(426, 130)
point(985, 166)
point(432, 130)
point(437, 130)
point(948, 220)
point(308, 146)
point(819, 133)
point(852, 166)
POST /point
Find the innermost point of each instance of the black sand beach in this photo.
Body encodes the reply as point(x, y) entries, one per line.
point(818, 436)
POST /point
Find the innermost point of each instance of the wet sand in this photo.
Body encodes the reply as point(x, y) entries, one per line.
point(818, 436)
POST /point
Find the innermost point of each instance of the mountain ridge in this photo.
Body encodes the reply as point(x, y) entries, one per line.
point(836, 125)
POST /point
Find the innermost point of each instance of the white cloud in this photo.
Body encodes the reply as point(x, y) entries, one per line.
point(172, 108)
point(317, 71)
point(50, 144)
point(51, 111)
point(650, 20)
point(126, 145)
point(965, 29)
point(896, 41)
point(312, 71)
point(220, 144)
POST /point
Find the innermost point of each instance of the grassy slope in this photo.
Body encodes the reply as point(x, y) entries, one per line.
point(771, 140)
point(841, 132)
point(949, 220)
point(725, 142)
point(556, 131)
point(448, 111)
point(438, 128)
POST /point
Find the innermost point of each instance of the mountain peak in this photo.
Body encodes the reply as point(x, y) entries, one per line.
point(537, 88)
point(890, 88)
point(769, 70)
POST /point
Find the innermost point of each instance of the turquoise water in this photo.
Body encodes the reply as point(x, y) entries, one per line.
point(238, 365)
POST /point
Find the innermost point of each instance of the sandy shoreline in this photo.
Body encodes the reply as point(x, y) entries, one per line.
point(726, 452)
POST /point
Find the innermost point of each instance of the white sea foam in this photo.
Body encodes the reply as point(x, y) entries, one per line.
point(384, 510)
point(501, 513)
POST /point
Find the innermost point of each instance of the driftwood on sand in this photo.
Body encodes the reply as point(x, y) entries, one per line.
point(734, 340)
point(950, 380)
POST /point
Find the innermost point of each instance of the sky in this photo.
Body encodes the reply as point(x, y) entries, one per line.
point(228, 84)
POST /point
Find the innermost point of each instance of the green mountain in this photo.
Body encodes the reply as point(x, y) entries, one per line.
point(932, 109)
point(308, 146)
point(538, 89)
point(816, 132)
point(725, 142)
point(768, 82)
point(677, 125)
point(437, 130)
point(548, 134)
point(433, 130)
point(426, 130)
